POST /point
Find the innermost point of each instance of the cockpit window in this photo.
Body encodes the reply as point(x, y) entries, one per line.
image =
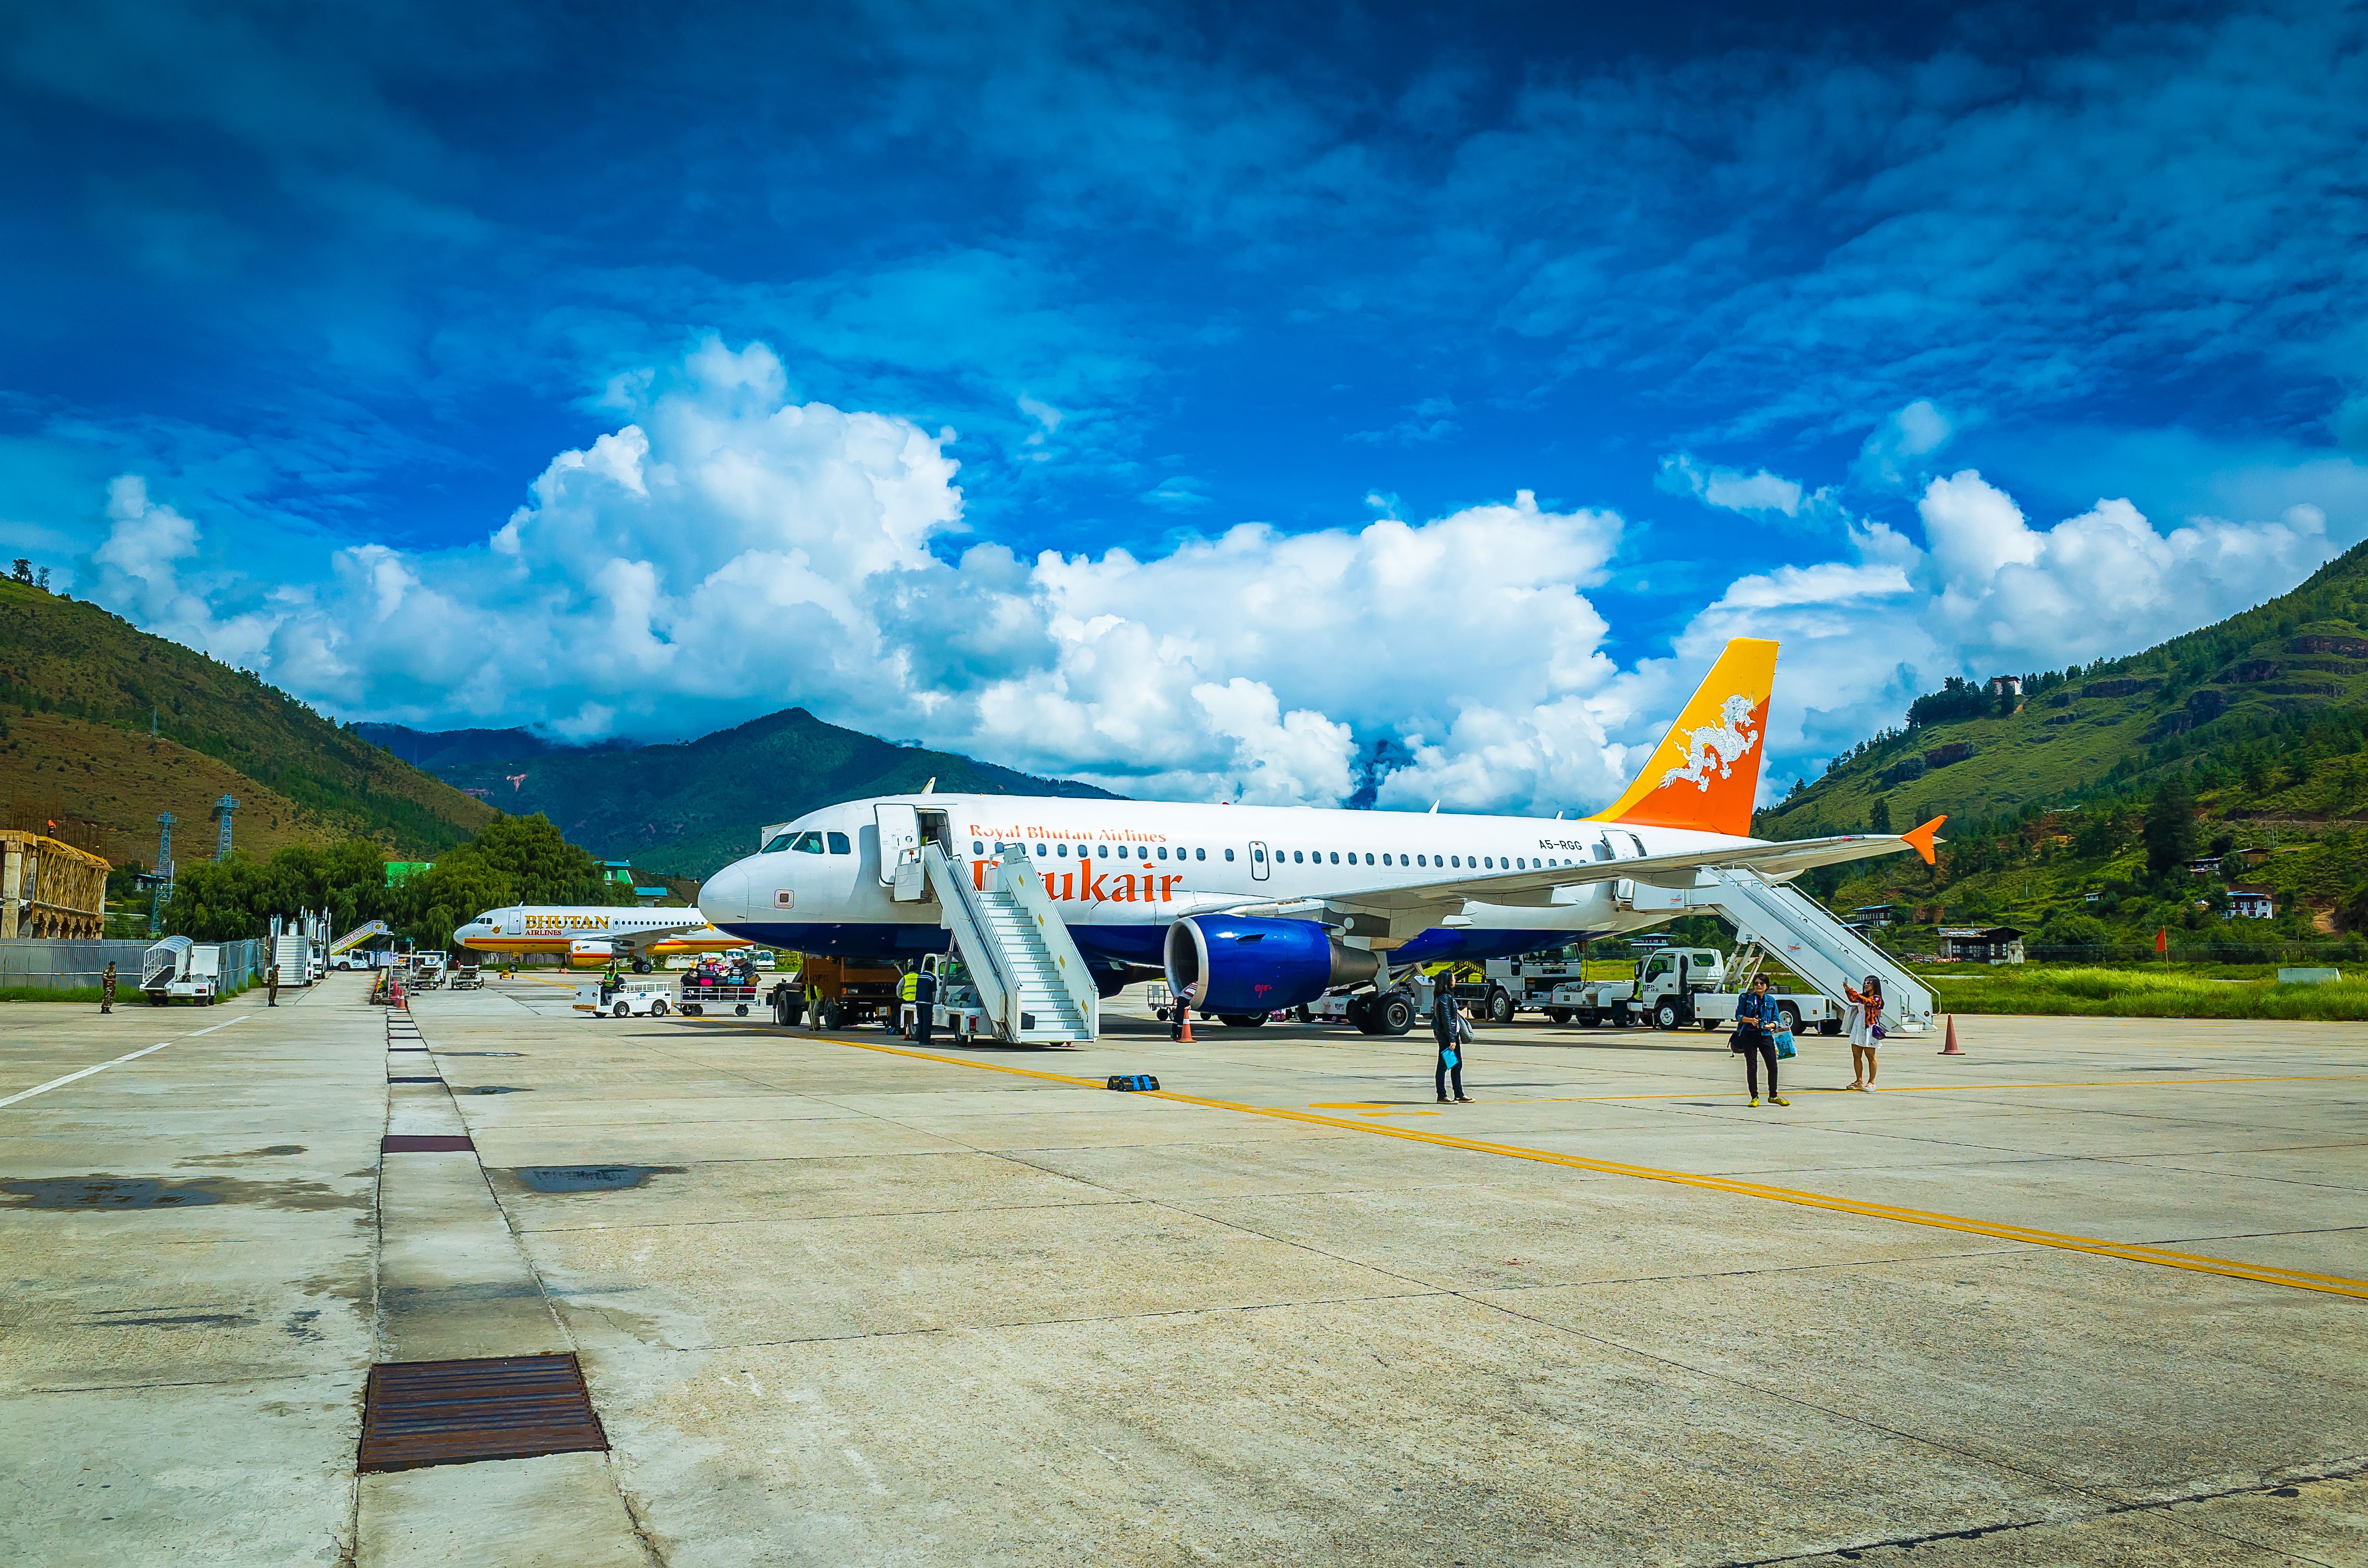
point(809, 843)
point(840, 845)
point(778, 842)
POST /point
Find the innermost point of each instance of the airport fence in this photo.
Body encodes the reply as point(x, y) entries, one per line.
point(31, 964)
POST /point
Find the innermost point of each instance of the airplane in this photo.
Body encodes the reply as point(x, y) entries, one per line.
point(1252, 908)
point(591, 935)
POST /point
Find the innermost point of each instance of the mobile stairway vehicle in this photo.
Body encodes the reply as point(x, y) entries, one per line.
point(1033, 984)
point(1799, 933)
point(177, 970)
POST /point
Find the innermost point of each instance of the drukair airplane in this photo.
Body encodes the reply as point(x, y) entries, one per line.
point(592, 934)
point(1258, 907)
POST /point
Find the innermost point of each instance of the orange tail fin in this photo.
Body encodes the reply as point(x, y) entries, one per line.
point(1705, 772)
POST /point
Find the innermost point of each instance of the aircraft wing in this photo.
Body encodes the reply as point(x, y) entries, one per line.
point(1537, 887)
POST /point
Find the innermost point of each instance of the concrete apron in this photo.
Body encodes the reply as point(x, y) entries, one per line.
point(454, 1283)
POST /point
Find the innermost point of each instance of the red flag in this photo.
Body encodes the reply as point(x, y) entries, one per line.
point(2162, 939)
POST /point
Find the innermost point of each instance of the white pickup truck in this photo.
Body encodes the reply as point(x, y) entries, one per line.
point(1676, 987)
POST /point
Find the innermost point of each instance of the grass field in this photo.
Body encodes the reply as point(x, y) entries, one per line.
point(2214, 992)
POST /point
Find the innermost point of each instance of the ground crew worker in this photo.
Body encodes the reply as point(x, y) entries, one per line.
point(106, 989)
point(925, 1002)
point(271, 986)
point(908, 991)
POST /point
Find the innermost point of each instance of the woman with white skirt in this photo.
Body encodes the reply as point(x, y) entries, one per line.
point(1865, 1030)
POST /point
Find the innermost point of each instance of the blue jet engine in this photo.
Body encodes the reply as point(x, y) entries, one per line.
point(1257, 966)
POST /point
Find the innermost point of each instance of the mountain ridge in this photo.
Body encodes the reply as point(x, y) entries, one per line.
point(687, 807)
point(2109, 727)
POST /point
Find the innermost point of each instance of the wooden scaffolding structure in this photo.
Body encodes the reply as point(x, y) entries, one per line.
point(50, 888)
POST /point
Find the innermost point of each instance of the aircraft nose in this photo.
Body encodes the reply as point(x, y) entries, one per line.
point(725, 896)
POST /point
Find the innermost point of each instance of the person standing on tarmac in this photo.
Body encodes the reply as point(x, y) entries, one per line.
point(1755, 1017)
point(271, 986)
point(1452, 1029)
point(908, 990)
point(924, 1004)
point(106, 989)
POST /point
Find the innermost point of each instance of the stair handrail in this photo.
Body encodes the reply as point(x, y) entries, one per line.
point(998, 990)
point(1015, 873)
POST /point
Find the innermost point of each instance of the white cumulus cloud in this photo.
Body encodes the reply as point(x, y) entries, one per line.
point(728, 550)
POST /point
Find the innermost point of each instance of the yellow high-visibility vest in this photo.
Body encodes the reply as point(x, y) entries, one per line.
point(909, 988)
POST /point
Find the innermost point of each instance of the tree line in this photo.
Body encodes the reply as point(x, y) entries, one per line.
point(513, 860)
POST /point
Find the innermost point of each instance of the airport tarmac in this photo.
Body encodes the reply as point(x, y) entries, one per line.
point(2092, 1294)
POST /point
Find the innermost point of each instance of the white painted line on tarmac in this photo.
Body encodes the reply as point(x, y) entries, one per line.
point(129, 1056)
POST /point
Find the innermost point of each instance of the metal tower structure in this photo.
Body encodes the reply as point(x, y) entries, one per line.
point(222, 808)
point(163, 874)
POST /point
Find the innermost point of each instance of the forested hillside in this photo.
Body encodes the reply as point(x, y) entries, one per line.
point(103, 726)
point(2242, 743)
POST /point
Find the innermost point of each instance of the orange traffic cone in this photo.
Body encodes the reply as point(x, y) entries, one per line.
point(1186, 1038)
point(1951, 1047)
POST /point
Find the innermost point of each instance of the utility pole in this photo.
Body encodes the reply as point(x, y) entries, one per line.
point(163, 876)
point(222, 808)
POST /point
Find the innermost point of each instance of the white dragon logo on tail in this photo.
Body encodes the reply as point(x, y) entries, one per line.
point(1720, 745)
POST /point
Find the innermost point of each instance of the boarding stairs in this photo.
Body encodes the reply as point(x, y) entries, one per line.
point(1032, 980)
point(359, 935)
point(1804, 936)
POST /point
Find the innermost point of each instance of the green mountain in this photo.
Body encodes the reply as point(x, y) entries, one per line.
point(2244, 744)
point(690, 807)
point(103, 726)
point(2114, 727)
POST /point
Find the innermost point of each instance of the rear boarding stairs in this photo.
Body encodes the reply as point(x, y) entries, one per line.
point(1803, 936)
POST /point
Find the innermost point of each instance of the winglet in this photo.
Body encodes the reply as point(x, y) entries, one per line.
point(1921, 840)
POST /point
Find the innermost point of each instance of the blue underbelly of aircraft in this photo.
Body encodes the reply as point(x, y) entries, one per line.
point(1118, 944)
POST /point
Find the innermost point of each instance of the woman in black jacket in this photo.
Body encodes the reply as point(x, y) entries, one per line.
point(1451, 1029)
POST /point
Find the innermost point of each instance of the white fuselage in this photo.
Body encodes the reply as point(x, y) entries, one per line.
point(1120, 871)
point(574, 928)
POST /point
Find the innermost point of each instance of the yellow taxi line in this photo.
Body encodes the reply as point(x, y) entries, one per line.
point(2165, 1257)
point(1946, 1088)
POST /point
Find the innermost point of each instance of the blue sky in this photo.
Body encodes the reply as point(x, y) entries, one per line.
point(1565, 344)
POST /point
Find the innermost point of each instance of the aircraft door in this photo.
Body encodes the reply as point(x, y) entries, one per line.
point(514, 923)
point(1258, 859)
point(900, 838)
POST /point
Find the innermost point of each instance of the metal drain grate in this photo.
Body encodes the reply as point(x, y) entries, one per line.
point(502, 1407)
point(424, 1143)
point(414, 1080)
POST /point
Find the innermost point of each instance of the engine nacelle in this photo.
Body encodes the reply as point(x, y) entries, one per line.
point(590, 952)
point(1256, 966)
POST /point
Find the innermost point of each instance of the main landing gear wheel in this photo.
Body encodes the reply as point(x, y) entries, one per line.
point(1393, 1014)
point(642, 966)
point(1665, 1016)
point(1241, 1020)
